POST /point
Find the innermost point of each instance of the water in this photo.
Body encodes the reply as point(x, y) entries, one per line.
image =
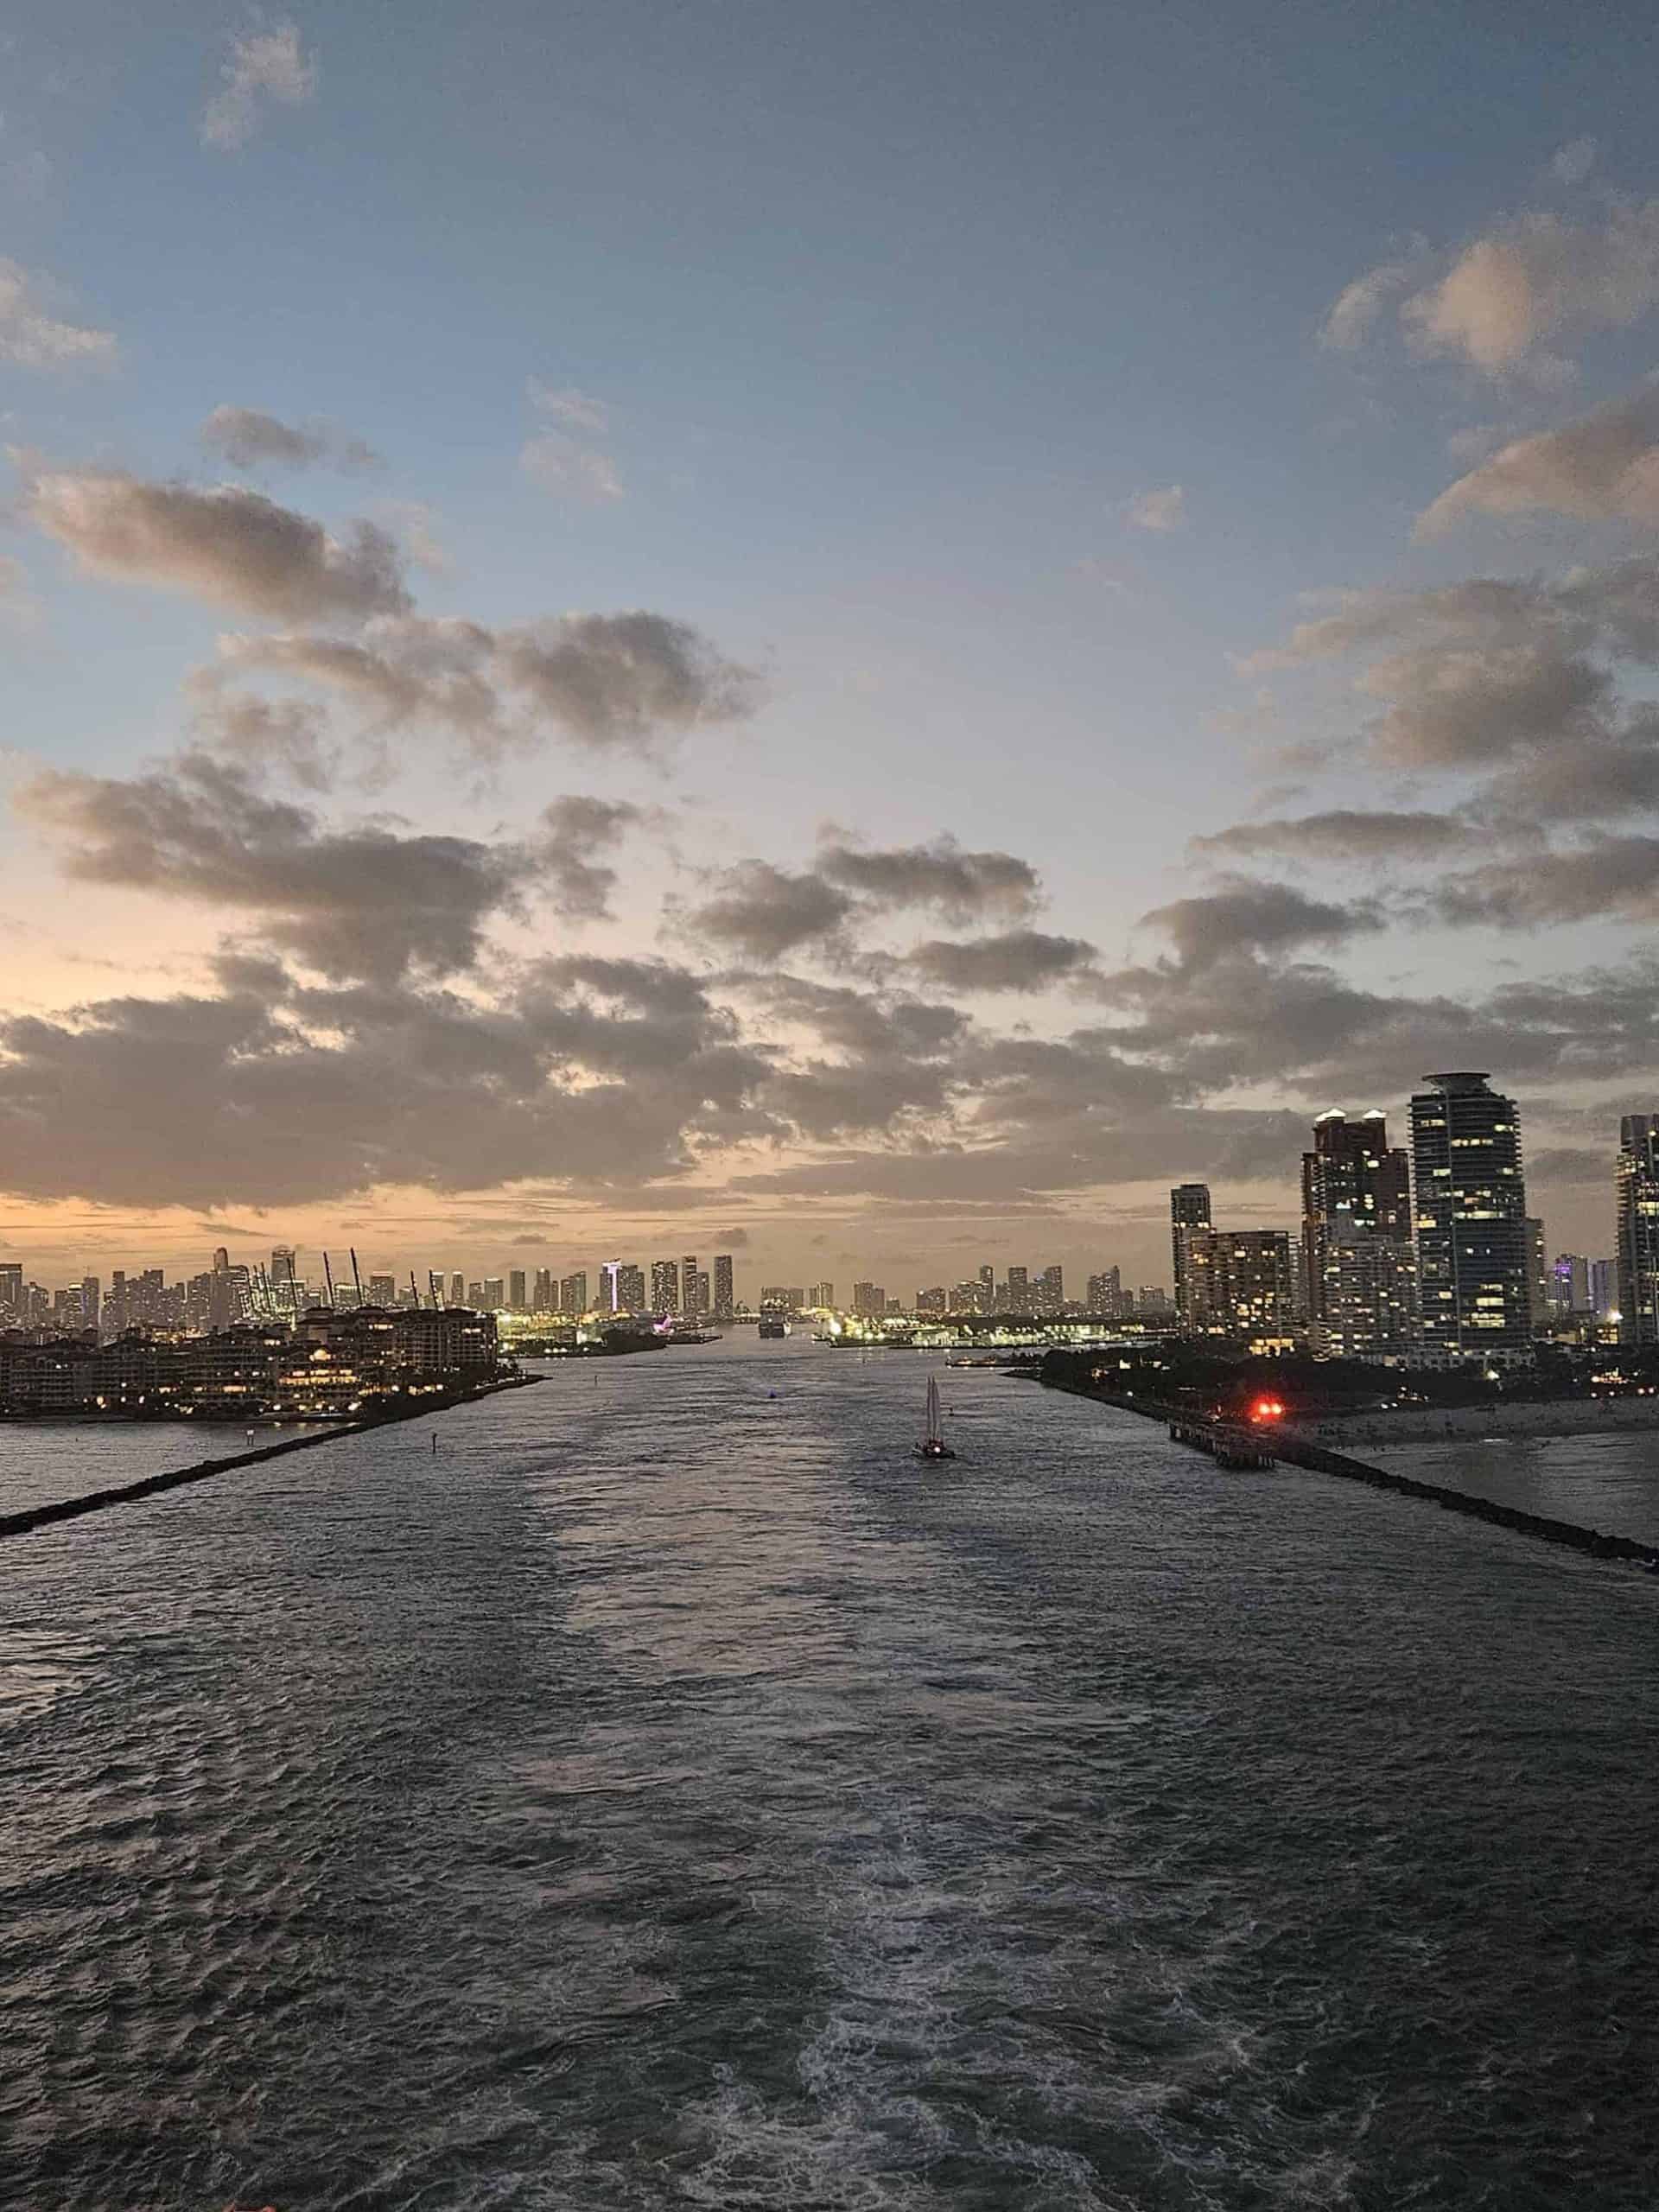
point(673, 1796)
point(1607, 1482)
point(43, 1461)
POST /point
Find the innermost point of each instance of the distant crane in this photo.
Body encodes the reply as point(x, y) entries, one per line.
point(356, 1278)
point(328, 1277)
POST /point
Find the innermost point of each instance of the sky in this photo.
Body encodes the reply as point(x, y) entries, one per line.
point(856, 635)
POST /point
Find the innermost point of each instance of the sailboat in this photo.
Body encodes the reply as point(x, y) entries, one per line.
point(933, 1445)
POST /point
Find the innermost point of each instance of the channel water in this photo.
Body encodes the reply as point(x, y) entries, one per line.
point(673, 1792)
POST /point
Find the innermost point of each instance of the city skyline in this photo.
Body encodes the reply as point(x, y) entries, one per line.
point(1037, 693)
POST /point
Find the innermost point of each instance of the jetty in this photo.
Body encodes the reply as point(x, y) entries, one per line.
point(1205, 1434)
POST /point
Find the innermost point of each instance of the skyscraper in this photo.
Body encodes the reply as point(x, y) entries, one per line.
point(542, 1297)
point(689, 1273)
point(664, 1286)
point(573, 1295)
point(1637, 1196)
point(1189, 1207)
point(631, 1288)
point(725, 1297)
point(1537, 1276)
point(1471, 1210)
point(1018, 1297)
point(515, 1289)
point(1358, 1270)
point(457, 1290)
point(1049, 1296)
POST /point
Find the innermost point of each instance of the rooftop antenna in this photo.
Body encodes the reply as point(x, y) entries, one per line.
point(328, 1277)
point(356, 1278)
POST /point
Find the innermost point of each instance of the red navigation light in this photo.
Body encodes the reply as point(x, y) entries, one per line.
point(1267, 1409)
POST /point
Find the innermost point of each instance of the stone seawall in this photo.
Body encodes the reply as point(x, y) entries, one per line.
point(100, 1501)
point(1295, 1451)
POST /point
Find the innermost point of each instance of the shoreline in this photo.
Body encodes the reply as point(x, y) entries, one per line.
point(1297, 1451)
point(31, 1517)
point(1542, 1417)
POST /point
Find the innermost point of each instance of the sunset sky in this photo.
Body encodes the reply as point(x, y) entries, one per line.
point(861, 634)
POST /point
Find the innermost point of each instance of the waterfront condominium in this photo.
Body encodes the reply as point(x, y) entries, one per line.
point(1637, 1216)
point(1470, 1206)
point(725, 1301)
point(1189, 1207)
point(1359, 1268)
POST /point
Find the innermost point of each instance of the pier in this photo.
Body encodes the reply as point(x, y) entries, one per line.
point(1243, 1450)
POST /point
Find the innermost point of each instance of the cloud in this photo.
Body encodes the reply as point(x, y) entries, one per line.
point(358, 902)
point(1604, 468)
point(1616, 876)
point(576, 829)
point(229, 546)
point(1532, 276)
point(1537, 276)
point(962, 886)
point(573, 410)
point(247, 438)
point(612, 682)
point(1573, 162)
point(569, 471)
point(32, 338)
point(761, 912)
point(1354, 313)
point(1254, 916)
point(1599, 778)
point(559, 459)
point(1018, 960)
point(1459, 708)
point(1343, 834)
point(263, 64)
point(1162, 510)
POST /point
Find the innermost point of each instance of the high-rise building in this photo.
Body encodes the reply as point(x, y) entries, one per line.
point(1636, 1219)
point(494, 1293)
point(542, 1297)
point(1018, 1300)
point(383, 1290)
point(1048, 1297)
point(1189, 1207)
point(1470, 1209)
point(822, 1295)
point(631, 1288)
point(287, 1294)
point(1569, 1286)
point(869, 1299)
point(1105, 1292)
point(516, 1299)
point(688, 1272)
point(1358, 1268)
point(11, 1288)
point(457, 1290)
point(725, 1295)
point(573, 1295)
point(1241, 1283)
point(1537, 1277)
point(932, 1302)
point(664, 1286)
point(1604, 1288)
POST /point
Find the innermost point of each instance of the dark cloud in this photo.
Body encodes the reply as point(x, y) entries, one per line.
point(246, 439)
point(1343, 834)
point(363, 901)
point(1018, 960)
point(229, 546)
point(965, 887)
point(576, 829)
point(610, 681)
point(1600, 780)
point(1462, 708)
point(1254, 916)
point(762, 912)
point(1607, 875)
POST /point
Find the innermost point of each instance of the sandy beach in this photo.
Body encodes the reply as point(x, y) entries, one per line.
point(1437, 1424)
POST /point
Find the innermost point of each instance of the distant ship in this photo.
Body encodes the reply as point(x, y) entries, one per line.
point(773, 1328)
point(933, 1445)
